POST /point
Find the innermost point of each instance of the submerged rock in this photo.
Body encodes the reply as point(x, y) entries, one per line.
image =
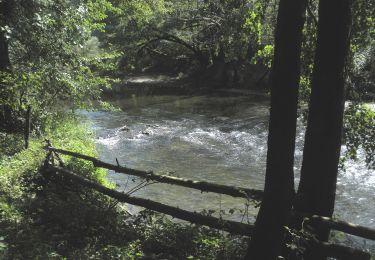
point(124, 129)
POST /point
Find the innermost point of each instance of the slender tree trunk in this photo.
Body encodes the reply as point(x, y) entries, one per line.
point(5, 65)
point(27, 127)
point(279, 184)
point(5, 10)
point(250, 52)
point(317, 188)
point(4, 54)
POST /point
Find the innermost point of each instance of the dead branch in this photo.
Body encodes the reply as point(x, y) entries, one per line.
point(199, 185)
point(343, 226)
point(193, 217)
point(326, 249)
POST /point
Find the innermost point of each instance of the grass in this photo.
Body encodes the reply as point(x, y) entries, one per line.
point(41, 218)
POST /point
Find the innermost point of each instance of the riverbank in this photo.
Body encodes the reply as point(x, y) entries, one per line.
point(44, 219)
point(41, 219)
point(157, 85)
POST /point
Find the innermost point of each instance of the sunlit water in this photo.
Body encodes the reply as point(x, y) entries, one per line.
point(216, 139)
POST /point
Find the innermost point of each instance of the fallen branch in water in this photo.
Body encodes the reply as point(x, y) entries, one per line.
point(222, 189)
point(193, 217)
point(326, 249)
point(339, 225)
point(199, 185)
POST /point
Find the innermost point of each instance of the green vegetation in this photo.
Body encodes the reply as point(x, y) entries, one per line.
point(359, 132)
point(39, 218)
point(50, 56)
point(59, 56)
point(44, 219)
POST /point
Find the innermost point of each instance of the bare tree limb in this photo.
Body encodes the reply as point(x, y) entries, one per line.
point(193, 217)
point(343, 226)
point(199, 185)
point(324, 248)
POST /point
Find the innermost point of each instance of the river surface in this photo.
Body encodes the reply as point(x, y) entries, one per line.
point(219, 139)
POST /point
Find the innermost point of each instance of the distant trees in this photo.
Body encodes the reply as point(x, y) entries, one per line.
point(199, 32)
point(183, 35)
point(274, 212)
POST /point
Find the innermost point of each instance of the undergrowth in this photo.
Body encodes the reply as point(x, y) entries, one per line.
point(45, 219)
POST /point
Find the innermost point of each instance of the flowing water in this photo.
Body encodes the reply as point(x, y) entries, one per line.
point(212, 138)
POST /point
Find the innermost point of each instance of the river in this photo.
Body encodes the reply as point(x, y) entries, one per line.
point(216, 138)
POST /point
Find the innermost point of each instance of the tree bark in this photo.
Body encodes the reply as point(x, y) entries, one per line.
point(279, 184)
point(317, 188)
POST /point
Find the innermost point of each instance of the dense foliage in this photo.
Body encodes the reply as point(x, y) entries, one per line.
point(57, 56)
point(53, 55)
point(191, 34)
point(359, 132)
point(177, 36)
point(68, 51)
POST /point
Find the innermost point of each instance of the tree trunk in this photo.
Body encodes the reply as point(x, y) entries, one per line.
point(250, 52)
point(4, 54)
point(279, 184)
point(27, 127)
point(5, 65)
point(5, 10)
point(317, 188)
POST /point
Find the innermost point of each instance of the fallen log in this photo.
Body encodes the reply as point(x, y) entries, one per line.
point(327, 249)
point(339, 225)
point(199, 185)
point(193, 217)
point(343, 226)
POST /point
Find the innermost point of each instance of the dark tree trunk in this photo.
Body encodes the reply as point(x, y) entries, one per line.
point(250, 52)
point(317, 188)
point(27, 127)
point(4, 54)
point(279, 184)
point(5, 10)
point(5, 65)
